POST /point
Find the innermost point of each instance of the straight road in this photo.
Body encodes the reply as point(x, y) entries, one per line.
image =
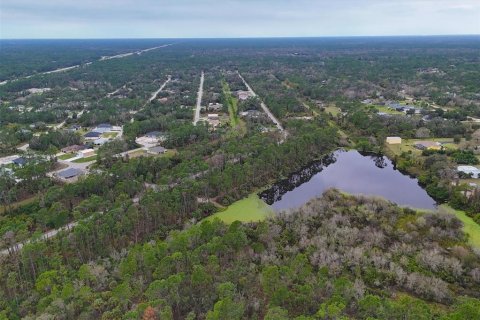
point(123, 55)
point(263, 105)
point(155, 94)
point(199, 100)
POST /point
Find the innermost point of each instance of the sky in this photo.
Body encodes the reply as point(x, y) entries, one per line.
point(235, 18)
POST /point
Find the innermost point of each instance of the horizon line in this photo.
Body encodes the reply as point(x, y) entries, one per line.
point(257, 37)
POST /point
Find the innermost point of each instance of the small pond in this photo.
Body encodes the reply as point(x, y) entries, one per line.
point(353, 173)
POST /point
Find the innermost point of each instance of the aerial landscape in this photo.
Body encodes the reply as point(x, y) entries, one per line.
point(214, 174)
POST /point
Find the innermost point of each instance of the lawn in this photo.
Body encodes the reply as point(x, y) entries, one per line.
point(232, 104)
point(470, 227)
point(66, 156)
point(333, 110)
point(408, 145)
point(109, 135)
point(83, 160)
point(387, 110)
point(245, 210)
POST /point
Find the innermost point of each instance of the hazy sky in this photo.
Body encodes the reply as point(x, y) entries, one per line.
point(234, 18)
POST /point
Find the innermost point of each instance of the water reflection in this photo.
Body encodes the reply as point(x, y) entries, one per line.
point(351, 172)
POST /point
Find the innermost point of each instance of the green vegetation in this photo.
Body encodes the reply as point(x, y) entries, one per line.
point(470, 227)
point(232, 104)
point(138, 251)
point(336, 257)
point(387, 110)
point(66, 156)
point(87, 159)
point(249, 209)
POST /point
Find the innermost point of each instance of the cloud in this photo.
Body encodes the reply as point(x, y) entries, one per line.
point(231, 18)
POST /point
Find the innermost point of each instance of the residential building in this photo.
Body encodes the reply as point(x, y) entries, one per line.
point(21, 161)
point(100, 141)
point(73, 148)
point(156, 150)
point(92, 135)
point(69, 173)
point(394, 140)
point(428, 145)
point(86, 153)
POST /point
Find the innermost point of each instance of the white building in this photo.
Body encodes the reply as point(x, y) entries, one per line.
point(394, 140)
point(86, 153)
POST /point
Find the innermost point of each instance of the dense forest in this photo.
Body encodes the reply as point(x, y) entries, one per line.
point(336, 257)
point(137, 234)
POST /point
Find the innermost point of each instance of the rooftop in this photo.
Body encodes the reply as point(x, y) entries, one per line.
point(92, 134)
point(69, 173)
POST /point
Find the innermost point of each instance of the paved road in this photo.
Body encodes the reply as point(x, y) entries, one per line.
point(123, 55)
point(45, 236)
point(199, 100)
point(155, 94)
point(265, 108)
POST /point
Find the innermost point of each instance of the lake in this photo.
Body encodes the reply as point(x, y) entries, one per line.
point(353, 173)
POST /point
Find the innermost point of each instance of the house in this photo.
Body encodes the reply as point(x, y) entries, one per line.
point(86, 153)
point(69, 173)
point(103, 127)
point(100, 141)
point(394, 140)
point(156, 150)
point(153, 134)
point(428, 145)
point(92, 135)
point(252, 114)
point(470, 170)
point(21, 161)
point(74, 128)
point(213, 119)
point(244, 95)
point(73, 148)
point(215, 106)
point(151, 139)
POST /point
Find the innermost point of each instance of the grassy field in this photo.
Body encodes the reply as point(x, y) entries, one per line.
point(245, 210)
point(333, 110)
point(66, 156)
point(109, 135)
point(470, 227)
point(83, 160)
point(387, 110)
point(408, 145)
point(232, 104)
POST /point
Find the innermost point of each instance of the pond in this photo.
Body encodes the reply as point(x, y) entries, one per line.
point(353, 173)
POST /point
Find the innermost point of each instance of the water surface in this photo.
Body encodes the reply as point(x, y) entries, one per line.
point(353, 173)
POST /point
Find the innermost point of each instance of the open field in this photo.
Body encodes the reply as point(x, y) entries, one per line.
point(407, 145)
point(66, 156)
point(245, 210)
point(333, 110)
point(470, 227)
point(83, 160)
point(109, 135)
point(232, 104)
point(387, 110)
